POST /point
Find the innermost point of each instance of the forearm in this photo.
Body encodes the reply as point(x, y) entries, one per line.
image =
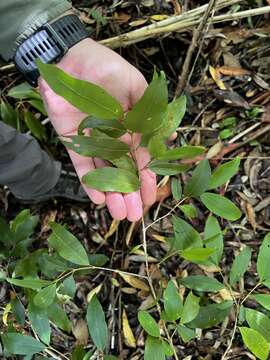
point(20, 18)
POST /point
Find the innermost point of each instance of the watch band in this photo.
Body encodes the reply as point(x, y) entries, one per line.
point(49, 44)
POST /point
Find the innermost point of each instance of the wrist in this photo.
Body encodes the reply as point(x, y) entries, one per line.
point(49, 44)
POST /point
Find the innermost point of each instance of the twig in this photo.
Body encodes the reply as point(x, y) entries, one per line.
point(238, 306)
point(197, 35)
point(153, 290)
point(180, 23)
point(164, 216)
point(162, 26)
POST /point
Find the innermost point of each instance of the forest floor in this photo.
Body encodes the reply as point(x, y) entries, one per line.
point(227, 85)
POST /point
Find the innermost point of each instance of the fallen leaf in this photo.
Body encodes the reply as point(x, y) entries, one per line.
point(128, 290)
point(148, 303)
point(138, 22)
point(121, 17)
point(159, 17)
point(135, 282)
point(231, 98)
point(225, 294)
point(80, 331)
point(6, 312)
point(163, 192)
point(251, 216)
point(113, 228)
point(232, 71)
point(93, 292)
point(129, 338)
point(214, 150)
point(159, 238)
point(216, 77)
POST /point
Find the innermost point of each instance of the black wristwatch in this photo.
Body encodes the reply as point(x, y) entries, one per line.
point(49, 44)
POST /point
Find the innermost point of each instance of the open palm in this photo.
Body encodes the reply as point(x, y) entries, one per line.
point(95, 63)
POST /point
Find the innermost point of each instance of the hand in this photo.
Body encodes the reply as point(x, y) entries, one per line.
point(95, 63)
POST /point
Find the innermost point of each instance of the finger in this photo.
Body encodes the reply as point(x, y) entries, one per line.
point(114, 201)
point(148, 178)
point(116, 205)
point(173, 136)
point(142, 157)
point(138, 86)
point(148, 187)
point(82, 166)
point(134, 206)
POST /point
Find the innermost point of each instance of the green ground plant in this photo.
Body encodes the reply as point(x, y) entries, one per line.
point(44, 279)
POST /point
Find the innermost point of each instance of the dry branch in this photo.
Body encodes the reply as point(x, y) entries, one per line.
point(197, 35)
point(181, 23)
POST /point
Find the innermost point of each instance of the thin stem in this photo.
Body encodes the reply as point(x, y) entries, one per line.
point(164, 216)
point(91, 267)
point(238, 306)
point(152, 288)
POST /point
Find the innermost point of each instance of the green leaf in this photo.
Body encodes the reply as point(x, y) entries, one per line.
point(255, 342)
point(34, 125)
point(263, 300)
point(52, 264)
point(240, 265)
point(176, 189)
point(185, 235)
point(46, 296)
point(258, 321)
point(263, 267)
point(6, 235)
point(34, 284)
point(126, 163)
point(96, 323)
point(38, 104)
point(69, 286)
point(184, 152)
point(87, 97)
point(23, 225)
point(189, 210)
point(18, 311)
point(213, 238)
point(147, 114)
point(98, 259)
point(191, 308)
point(156, 146)
point(197, 255)
point(172, 302)
point(211, 315)
point(224, 173)
point(148, 323)
point(103, 147)
point(40, 322)
point(58, 316)
point(111, 128)
point(78, 353)
point(168, 351)
point(186, 333)
point(112, 179)
point(19, 344)
point(221, 206)
point(199, 181)
point(165, 168)
point(9, 115)
point(67, 245)
point(202, 283)
point(174, 115)
point(23, 91)
point(154, 349)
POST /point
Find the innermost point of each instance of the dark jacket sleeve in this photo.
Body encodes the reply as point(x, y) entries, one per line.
point(20, 18)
